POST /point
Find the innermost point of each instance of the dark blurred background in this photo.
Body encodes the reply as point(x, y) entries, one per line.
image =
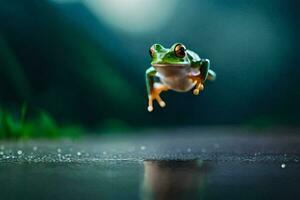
point(83, 61)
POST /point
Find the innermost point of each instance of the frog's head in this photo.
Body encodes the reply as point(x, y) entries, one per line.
point(175, 56)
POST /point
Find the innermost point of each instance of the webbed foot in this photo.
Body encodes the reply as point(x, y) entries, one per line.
point(155, 95)
point(198, 89)
point(198, 85)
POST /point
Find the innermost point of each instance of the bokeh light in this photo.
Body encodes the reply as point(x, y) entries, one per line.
point(133, 16)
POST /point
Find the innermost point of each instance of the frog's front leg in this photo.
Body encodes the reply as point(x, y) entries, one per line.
point(198, 84)
point(154, 89)
point(204, 69)
point(199, 80)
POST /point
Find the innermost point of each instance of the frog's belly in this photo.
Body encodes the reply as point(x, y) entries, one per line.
point(176, 77)
point(178, 83)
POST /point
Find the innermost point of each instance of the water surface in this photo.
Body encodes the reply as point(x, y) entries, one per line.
point(152, 167)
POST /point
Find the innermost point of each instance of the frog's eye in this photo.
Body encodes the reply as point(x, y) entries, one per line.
point(179, 50)
point(151, 51)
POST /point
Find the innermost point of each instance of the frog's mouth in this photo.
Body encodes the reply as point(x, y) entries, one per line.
point(170, 65)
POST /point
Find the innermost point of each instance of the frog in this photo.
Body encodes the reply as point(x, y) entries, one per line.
point(176, 68)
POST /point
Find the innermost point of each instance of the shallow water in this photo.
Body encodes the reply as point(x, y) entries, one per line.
point(149, 180)
point(152, 167)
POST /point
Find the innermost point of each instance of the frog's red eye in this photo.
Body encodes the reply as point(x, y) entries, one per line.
point(151, 51)
point(179, 50)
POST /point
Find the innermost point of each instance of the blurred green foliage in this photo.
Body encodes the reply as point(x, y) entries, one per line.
point(20, 126)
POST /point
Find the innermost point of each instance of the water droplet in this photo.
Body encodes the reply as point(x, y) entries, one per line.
point(1, 153)
point(78, 153)
point(19, 152)
point(34, 148)
point(104, 153)
point(189, 150)
point(283, 165)
point(59, 150)
point(143, 148)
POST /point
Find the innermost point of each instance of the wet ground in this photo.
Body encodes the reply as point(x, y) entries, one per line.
point(187, 164)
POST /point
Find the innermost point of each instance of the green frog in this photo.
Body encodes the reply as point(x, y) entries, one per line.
point(176, 68)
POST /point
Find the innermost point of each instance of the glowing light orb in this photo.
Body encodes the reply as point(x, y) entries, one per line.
point(133, 15)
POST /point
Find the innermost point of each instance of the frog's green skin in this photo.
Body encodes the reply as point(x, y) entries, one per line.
point(176, 73)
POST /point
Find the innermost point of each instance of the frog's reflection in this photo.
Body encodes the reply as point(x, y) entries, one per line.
point(173, 179)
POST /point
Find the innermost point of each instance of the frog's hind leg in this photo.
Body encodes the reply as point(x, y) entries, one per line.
point(154, 89)
point(155, 95)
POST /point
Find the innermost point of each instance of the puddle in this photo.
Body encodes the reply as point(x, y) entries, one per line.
point(152, 168)
point(149, 180)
